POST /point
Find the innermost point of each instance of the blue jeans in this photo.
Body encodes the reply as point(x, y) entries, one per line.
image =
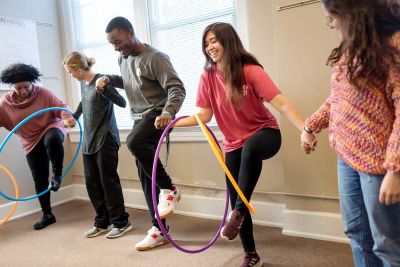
point(373, 228)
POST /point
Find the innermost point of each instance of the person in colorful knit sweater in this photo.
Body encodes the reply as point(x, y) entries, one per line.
point(42, 137)
point(363, 116)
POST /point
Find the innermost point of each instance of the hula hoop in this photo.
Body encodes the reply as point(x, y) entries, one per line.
point(16, 194)
point(37, 113)
point(218, 154)
point(154, 195)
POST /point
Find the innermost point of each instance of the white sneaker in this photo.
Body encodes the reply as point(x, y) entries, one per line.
point(167, 201)
point(152, 239)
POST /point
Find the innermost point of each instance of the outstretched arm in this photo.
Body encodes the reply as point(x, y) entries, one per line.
point(390, 189)
point(112, 94)
point(286, 108)
point(205, 115)
point(78, 111)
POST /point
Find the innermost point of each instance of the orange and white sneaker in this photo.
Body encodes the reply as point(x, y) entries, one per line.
point(153, 239)
point(167, 201)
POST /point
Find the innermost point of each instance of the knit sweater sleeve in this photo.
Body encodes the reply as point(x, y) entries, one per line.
point(392, 160)
point(320, 119)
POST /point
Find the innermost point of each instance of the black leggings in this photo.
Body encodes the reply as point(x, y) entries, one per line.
point(50, 148)
point(245, 164)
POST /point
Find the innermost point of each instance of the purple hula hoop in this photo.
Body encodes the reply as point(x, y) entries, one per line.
point(154, 195)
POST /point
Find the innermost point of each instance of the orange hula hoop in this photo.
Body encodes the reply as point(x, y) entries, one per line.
point(16, 194)
point(221, 160)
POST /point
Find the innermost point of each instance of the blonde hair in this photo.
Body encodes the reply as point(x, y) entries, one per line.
point(77, 60)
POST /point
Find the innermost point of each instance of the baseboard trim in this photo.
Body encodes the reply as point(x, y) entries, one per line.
point(25, 208)
point(315, 225)
point(268, 214)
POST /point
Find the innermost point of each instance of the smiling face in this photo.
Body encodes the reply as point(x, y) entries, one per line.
point(22, 89)
point(213, 48)
point(122, 41)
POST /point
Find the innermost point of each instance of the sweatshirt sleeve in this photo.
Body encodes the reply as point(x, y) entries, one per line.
point(2, 123)
point(115, 81)
point(169, 80)
point(54, 101)
point(78, 111)
point(111, 94)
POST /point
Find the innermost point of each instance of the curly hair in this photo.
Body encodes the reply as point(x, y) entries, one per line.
point(367, 49)
point(19, 72)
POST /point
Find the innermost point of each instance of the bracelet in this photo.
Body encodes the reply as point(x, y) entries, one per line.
point(308, 130)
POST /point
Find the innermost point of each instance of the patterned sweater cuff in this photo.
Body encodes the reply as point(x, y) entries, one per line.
point(391, 166)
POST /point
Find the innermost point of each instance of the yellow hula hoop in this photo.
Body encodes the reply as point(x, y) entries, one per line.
point(16, 194)
point(220, 157)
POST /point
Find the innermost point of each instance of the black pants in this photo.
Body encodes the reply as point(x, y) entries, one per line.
point(50, 148)
point(142, 142)
point(245, 165)
point(103, 185)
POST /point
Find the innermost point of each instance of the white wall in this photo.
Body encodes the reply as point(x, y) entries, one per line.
point(44, 13)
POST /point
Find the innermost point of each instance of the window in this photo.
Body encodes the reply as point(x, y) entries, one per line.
point(90, 25)
point(176, 28)
point(173, 27)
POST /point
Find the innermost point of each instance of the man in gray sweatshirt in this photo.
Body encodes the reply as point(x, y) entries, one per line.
point(155, 94)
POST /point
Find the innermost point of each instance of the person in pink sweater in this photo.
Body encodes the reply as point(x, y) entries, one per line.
point(236, 90)
point(363, 116)
point(42, 137)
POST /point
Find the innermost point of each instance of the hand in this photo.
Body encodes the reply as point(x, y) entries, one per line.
point(162, 121)
point(69, 122)
point(390, 188)
point(101, 84)
point(308, 142)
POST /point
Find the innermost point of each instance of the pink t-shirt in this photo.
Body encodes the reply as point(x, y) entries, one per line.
point(12, 113)
point(238, 124)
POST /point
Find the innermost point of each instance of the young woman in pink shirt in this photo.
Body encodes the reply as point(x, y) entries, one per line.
point(363, 116)
point(42, 137)
point(235, 89)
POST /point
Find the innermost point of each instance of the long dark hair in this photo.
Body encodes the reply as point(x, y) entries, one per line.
point(234, 58)
point(368, 26)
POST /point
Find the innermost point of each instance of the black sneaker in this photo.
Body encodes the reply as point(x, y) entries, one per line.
point(46, 220)
point(251, 259)
point(55, 183)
